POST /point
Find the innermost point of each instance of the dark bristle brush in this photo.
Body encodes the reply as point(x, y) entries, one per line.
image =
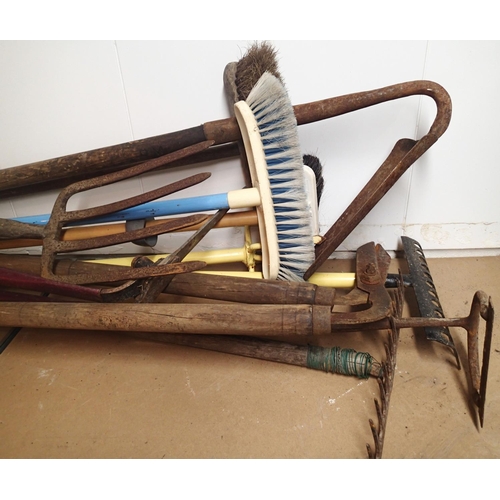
point(241, 77)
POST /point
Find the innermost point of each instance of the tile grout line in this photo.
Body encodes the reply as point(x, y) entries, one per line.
point(417, 123)
point(123, 88)
point(126, 99)
point(14, 211)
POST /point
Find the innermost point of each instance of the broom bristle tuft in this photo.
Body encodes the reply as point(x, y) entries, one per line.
point(259, 58)
point(314, 163)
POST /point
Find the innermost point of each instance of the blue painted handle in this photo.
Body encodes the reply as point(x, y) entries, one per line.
point(148, 210)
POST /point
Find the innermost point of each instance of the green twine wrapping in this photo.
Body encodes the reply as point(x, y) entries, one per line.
point(338, 360)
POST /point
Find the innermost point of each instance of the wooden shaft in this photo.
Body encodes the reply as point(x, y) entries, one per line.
point(269, 350)
point(213, 287)
point(47, 173)
point(256, 348)
point(168, 225)
point(250, 291)
point(78, 164)
point(10, 229)
point(32, 264)
point(235, 219)
point(217, 319)
point(235, 289)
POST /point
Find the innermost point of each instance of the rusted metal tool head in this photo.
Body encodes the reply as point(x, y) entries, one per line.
point(153, 287)
point(426, 293)
point(53, 244)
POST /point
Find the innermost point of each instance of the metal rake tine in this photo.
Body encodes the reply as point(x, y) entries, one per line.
point(490, 315)
point(386, 382)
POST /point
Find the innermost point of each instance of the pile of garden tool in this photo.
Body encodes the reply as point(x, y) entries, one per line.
point(283, 292)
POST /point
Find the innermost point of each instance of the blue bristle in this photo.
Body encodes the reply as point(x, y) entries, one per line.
point(277, 125)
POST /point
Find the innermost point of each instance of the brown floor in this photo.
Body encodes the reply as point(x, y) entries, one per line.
point(105, 395)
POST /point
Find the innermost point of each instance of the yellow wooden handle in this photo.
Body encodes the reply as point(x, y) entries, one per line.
point(332, 280)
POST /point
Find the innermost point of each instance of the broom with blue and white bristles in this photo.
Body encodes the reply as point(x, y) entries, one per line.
point(269, 130)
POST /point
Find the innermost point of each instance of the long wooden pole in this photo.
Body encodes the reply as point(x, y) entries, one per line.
point(267, 350)
point(46, 174)
point(217, 319)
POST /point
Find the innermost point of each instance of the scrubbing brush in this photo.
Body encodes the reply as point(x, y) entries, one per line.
point(246, 81)
point(240, 78)
point(269, 132)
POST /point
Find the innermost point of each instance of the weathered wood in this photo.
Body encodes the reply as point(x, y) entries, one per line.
point(32, 264)
point(219, 319)
point(250, 291)
point(256, 348)
point(104, 160)
point(215, 153)
point(16, 180)
point(269, 350)
point(227, 288)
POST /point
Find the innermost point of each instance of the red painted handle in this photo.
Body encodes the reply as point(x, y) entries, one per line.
point(16, 279)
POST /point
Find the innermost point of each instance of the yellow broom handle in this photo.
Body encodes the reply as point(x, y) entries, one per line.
point(332, 280)
point(211, 257)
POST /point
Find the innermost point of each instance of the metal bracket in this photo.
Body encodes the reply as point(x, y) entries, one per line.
point(133, 225)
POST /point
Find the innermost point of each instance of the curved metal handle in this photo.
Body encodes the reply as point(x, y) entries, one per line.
point(336, 106)
point(404, 154)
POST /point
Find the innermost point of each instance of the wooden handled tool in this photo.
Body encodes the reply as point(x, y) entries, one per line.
point(253, 320)
point(222, 319)
point(213, 287)
point(44, 174)
point(330, 360)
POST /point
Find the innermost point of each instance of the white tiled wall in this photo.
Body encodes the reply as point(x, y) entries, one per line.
point(61, 97)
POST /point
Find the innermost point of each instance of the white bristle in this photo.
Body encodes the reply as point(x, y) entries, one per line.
point(277, 126)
